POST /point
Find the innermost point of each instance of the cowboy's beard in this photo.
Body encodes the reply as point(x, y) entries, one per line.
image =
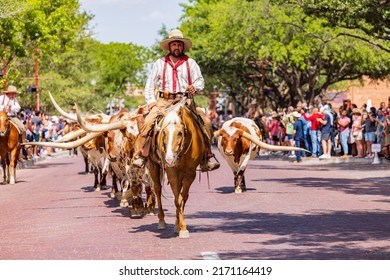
point(176, 53)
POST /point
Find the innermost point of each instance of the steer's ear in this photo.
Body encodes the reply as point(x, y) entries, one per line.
point(140, 121)
point(142, 110)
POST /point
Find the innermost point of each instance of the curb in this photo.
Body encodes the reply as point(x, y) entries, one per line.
point(317, 161)
point(33, 161)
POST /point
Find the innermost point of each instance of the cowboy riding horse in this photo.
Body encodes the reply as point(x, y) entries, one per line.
point(9, 148)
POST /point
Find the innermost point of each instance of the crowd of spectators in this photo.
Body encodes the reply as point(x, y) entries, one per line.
point(348, 131)
point(345, 131)
point(41, 127)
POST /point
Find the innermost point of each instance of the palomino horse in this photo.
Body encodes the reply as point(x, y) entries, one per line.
point(9, 143)
point(180, 146)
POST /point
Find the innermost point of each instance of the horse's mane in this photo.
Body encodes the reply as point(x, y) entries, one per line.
point(171, 116)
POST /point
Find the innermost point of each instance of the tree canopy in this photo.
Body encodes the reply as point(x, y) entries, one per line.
point(72, 65)
point(247, 45)
point(277, 52)
point(370, 16)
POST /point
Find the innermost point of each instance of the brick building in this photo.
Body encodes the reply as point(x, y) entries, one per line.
point(359, 94)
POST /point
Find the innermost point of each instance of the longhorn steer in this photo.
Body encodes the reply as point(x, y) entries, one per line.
point(121, 134)
point(239, 140)
point(94, 151)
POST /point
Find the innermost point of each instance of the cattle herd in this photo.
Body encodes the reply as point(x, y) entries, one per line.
point(177, 148)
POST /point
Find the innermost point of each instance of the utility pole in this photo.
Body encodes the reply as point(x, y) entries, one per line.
point(262, 85)
point(4, 70)
point(36, 79)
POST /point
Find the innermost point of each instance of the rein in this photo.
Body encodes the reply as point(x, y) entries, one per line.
point(7, 129)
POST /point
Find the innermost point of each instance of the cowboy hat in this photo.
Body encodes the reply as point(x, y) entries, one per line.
point(356, 111)
point(175, 35)
point(254, 102)
point(12, 89)
point(295, 114)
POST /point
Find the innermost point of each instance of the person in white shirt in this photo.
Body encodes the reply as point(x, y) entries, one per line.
point(173, 76)
point(9, 104)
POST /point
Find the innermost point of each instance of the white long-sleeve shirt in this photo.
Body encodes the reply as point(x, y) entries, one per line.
point(154, 81)
point(15, 106)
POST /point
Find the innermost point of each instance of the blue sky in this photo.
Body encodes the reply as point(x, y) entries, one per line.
point(132, 21)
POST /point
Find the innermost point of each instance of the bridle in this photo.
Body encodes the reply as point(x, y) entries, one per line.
point(180, 151)
point(4, 133)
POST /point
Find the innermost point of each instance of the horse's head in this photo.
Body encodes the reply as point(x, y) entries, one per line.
point(4, 123)
point(171, 136)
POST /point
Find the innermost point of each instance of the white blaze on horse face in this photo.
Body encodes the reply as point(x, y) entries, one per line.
point(169, 122)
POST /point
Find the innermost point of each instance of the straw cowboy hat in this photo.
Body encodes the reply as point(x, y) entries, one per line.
point(356, 111)
point(254, 102)
point(12, 89)
point(296, 114)
point(175, 35)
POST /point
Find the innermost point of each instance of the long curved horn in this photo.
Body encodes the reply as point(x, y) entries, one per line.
point(59, 109)
point(270, 147)
point(97, 127)
point(68, 145)
point(217, 133)
point(70, 136)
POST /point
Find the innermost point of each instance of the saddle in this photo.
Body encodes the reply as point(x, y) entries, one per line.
point(151, 143)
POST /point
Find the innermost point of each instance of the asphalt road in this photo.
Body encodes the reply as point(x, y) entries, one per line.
point(307, 211)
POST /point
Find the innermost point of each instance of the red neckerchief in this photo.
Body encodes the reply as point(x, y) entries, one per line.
point(183, 59)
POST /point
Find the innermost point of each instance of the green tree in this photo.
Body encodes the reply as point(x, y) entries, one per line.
point(91, 74)
point(50, 26)
point(370, 16)
point(301, 56)
point(9, 8)
point(72, 65)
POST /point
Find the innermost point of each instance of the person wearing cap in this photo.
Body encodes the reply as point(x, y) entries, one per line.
point(255, 113)
point(343, 126)
point(254, 110)
point(297, 135)
point(357, 132)
point(274, 129)
point(315, 130)
point(10, 104)
point(288, 120)
point(326, 131)
point(172, 76)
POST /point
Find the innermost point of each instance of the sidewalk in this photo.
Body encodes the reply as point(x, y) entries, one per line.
point(31, 162)
point(305, 160)
point(332, 160)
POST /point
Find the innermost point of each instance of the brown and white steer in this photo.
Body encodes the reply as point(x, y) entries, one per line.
point(121, 134)
point(239, 141)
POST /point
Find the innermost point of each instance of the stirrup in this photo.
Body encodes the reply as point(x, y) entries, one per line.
point(207, 165)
